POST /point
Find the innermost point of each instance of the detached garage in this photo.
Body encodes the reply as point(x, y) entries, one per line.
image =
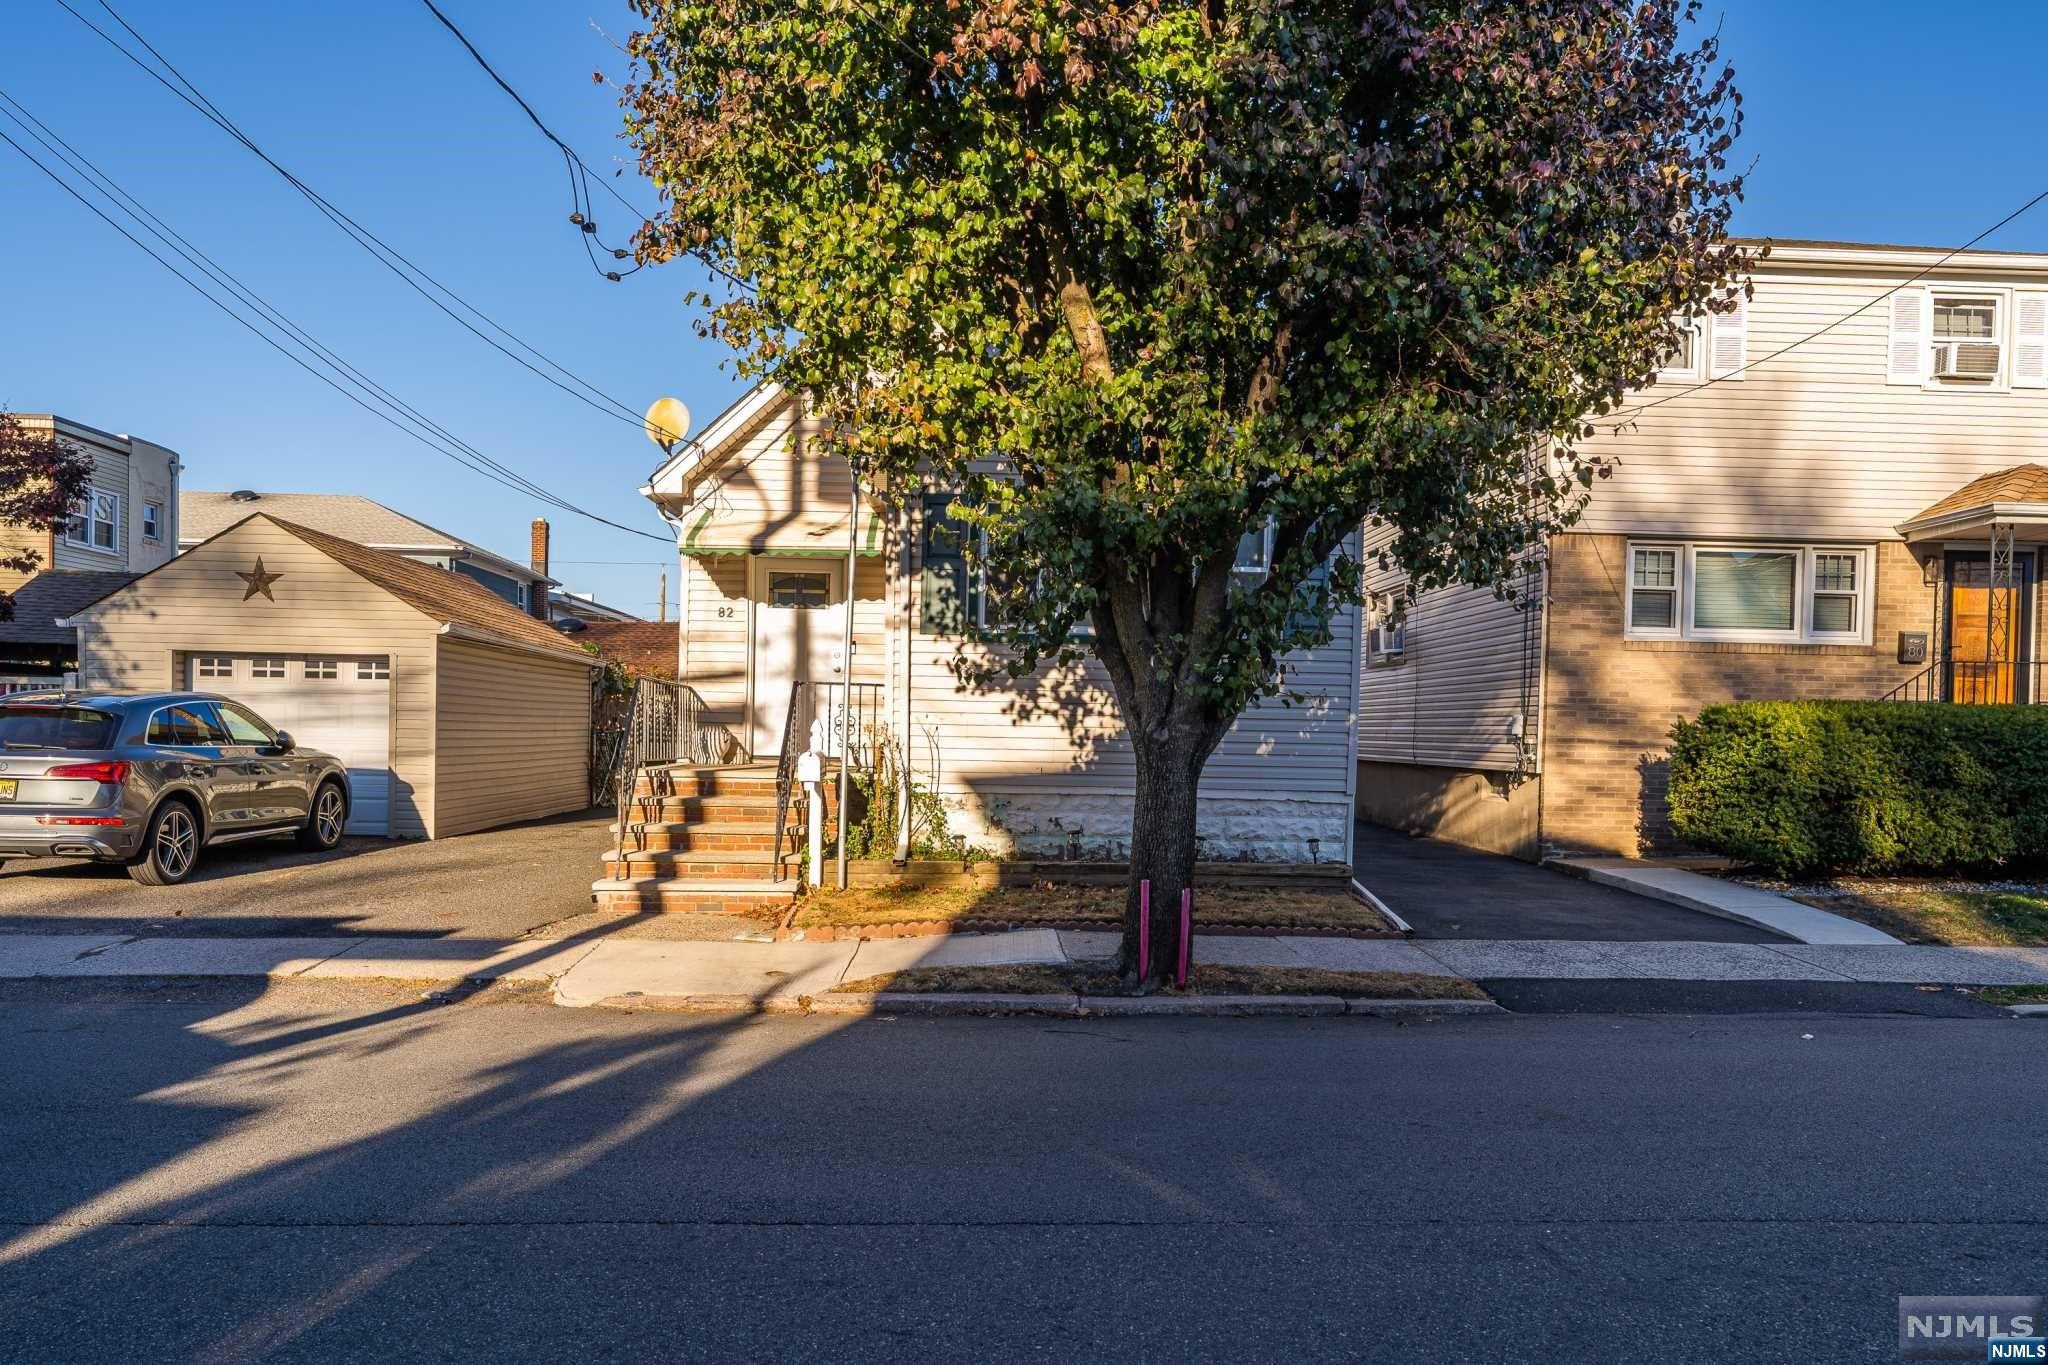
point(454, 710)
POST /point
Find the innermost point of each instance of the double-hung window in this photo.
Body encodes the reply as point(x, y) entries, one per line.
point(152, 521)
point(96, 522)
point(1811, 594)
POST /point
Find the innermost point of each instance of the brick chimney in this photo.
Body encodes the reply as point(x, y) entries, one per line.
point(539, 597)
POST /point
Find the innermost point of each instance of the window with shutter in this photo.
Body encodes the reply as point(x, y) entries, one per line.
point(2030, 341)
point(1906, 361)
point(1729, 342)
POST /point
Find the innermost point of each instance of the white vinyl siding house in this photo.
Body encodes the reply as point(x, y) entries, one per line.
point(1031, 766)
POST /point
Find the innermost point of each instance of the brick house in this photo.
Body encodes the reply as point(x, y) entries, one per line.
point(1859, 517)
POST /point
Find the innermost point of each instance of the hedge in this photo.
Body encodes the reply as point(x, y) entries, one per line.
point(1861, 786)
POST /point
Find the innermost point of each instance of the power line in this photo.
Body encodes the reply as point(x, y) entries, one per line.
point(464, 454)
point(79, 163)
point(1862, 308)
point(386, 255)
point(579, 172)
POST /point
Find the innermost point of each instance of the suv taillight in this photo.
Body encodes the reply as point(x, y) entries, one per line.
point(92, 772)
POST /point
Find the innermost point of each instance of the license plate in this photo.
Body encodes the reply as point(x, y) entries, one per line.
point(8, 787)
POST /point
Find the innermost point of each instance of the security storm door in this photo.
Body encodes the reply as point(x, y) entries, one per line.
point(337, 704)
point(1987, 641)
point(799, 632)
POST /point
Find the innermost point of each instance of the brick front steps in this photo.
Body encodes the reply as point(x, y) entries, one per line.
point(700, 840)
point(697, 895)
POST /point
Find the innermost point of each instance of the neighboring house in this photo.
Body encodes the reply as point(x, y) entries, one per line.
point(128, 522)
point(1860, 517)
point(645, 649)
point(35, 651)
point(1039, 765)
point(584, 607)
point(454, 710)
point(358, 519)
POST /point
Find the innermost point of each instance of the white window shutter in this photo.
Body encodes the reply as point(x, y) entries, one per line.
point(2030, 341)
point(1728, 349)
point(1906, 342)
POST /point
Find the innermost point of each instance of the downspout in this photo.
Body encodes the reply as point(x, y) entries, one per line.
point(846, 678)
point(908, 638)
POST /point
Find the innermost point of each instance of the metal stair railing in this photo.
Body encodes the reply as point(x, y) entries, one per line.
point(665, 724)
point(863, 735)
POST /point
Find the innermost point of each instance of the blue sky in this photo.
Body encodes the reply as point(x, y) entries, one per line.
point(1860, 127)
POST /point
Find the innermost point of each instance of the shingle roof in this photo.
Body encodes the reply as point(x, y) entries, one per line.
point(447, 597)
point(646, 648)
point(51, 596)
point(201, 516)
point(2021, 483)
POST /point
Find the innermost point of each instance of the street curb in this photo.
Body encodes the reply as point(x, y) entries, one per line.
point(1409, 1009)
point(2027, 1011)
point(1120, 1006)
point(937, 1004)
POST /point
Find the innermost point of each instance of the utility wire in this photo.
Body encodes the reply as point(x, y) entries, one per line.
point(582, 215)
point(1907, 283)
point(80, 164)
point(386, 255)
point(489, 469)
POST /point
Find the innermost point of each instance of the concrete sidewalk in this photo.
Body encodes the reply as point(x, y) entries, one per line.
point(590, 971)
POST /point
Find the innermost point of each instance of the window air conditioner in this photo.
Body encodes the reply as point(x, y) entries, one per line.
point(1966, 360)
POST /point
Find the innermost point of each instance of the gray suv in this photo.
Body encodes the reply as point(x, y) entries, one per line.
point(149, 779)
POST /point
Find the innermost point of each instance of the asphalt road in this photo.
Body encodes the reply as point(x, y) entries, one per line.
point(323, 1174)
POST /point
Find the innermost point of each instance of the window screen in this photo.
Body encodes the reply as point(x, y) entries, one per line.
point(1834, 593)
point(1653, 590)
point(1744, 589)
point(1964, 319)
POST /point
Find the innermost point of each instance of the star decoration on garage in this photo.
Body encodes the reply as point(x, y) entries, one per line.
point(259, 580)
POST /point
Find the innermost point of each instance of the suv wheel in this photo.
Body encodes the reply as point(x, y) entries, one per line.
point(323, 827)
point(171, 848)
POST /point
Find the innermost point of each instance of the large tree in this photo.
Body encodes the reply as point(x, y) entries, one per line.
point(41, 481)
point(1189, 270)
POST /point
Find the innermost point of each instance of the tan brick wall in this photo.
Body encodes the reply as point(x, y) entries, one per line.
point(1609, 703)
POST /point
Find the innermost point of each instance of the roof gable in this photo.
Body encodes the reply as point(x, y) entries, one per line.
point(2023, 483)
point(441, 595)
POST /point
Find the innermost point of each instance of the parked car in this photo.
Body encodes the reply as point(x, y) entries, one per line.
point(150, 779)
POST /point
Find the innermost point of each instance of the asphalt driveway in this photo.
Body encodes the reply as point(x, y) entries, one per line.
point(499, 884)
point(1446, 890)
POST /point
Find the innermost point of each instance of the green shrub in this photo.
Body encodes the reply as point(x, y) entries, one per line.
point(1859, 786)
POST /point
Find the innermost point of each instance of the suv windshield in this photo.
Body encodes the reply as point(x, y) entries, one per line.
point(55, 727)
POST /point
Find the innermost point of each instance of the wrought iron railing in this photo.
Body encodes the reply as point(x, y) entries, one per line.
point(814, 721)
point(1973, 681)
point(665, 723)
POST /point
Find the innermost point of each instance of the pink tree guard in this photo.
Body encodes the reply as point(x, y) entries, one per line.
point(1144, 928)
point(1187, 925)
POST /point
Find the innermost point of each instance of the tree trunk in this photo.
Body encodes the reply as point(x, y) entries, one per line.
point(1163, 848)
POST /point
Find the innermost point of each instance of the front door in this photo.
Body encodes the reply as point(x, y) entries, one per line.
point(1984, 654)
point(798, 637)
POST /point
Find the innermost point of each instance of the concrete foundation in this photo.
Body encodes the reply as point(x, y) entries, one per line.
point(1478, 810)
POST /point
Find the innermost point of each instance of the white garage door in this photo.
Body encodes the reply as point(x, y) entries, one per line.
point(341, 705)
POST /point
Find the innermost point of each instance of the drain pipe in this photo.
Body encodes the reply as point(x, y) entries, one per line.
point(846, 679)
point(909, 638)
